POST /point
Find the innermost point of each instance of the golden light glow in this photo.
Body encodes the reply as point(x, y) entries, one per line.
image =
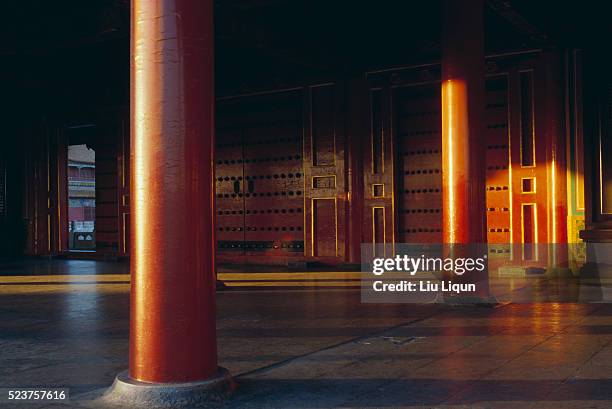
point(553, 177)
point(65, 279)
point(454, 128)
point(510, 179)
point(447, 120)
point(140, 136)
point(553, 174)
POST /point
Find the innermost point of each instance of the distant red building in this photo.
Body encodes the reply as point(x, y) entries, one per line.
point(81, 195)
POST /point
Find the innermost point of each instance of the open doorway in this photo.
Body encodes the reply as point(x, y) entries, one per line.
point(81, 175)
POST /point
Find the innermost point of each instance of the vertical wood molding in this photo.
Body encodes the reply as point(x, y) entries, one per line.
point(320, 170)
point(381, 130)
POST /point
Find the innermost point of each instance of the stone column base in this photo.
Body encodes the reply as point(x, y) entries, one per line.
point(129, 393)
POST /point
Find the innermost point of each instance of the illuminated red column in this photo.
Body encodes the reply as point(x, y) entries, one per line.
point(172, 324)
point(463, 145)
point(554, 132)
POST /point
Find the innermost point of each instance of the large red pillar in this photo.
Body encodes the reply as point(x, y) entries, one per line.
point(555, 137)
point(172, 323)
point(463, 145)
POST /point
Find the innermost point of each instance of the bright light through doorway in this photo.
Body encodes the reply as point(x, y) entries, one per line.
point(81, 198)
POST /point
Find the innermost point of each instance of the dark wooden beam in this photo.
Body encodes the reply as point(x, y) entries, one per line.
point(506, 10)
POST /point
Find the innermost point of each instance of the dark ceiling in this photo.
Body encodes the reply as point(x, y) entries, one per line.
point(55, 48)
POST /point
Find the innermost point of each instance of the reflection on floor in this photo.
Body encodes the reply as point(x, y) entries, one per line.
point(89, 272)
point(88, 275)
point(319, 348)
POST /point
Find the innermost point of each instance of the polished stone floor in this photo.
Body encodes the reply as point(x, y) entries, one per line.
point(66, 325)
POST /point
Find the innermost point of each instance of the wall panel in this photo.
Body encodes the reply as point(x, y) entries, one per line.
point(379, 179)
point(260, 179)
point(406, 103)
point(325, 173)
point(108, 148)
point(417, 110)
point(324, 228)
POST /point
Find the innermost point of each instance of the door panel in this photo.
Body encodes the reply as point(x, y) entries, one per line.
point(417, 111)
point(325, 173)
point(497, 140)
point(274, 200)
point(273, 190)
point(259, 177)
point(230, 202)
point(517, 155)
